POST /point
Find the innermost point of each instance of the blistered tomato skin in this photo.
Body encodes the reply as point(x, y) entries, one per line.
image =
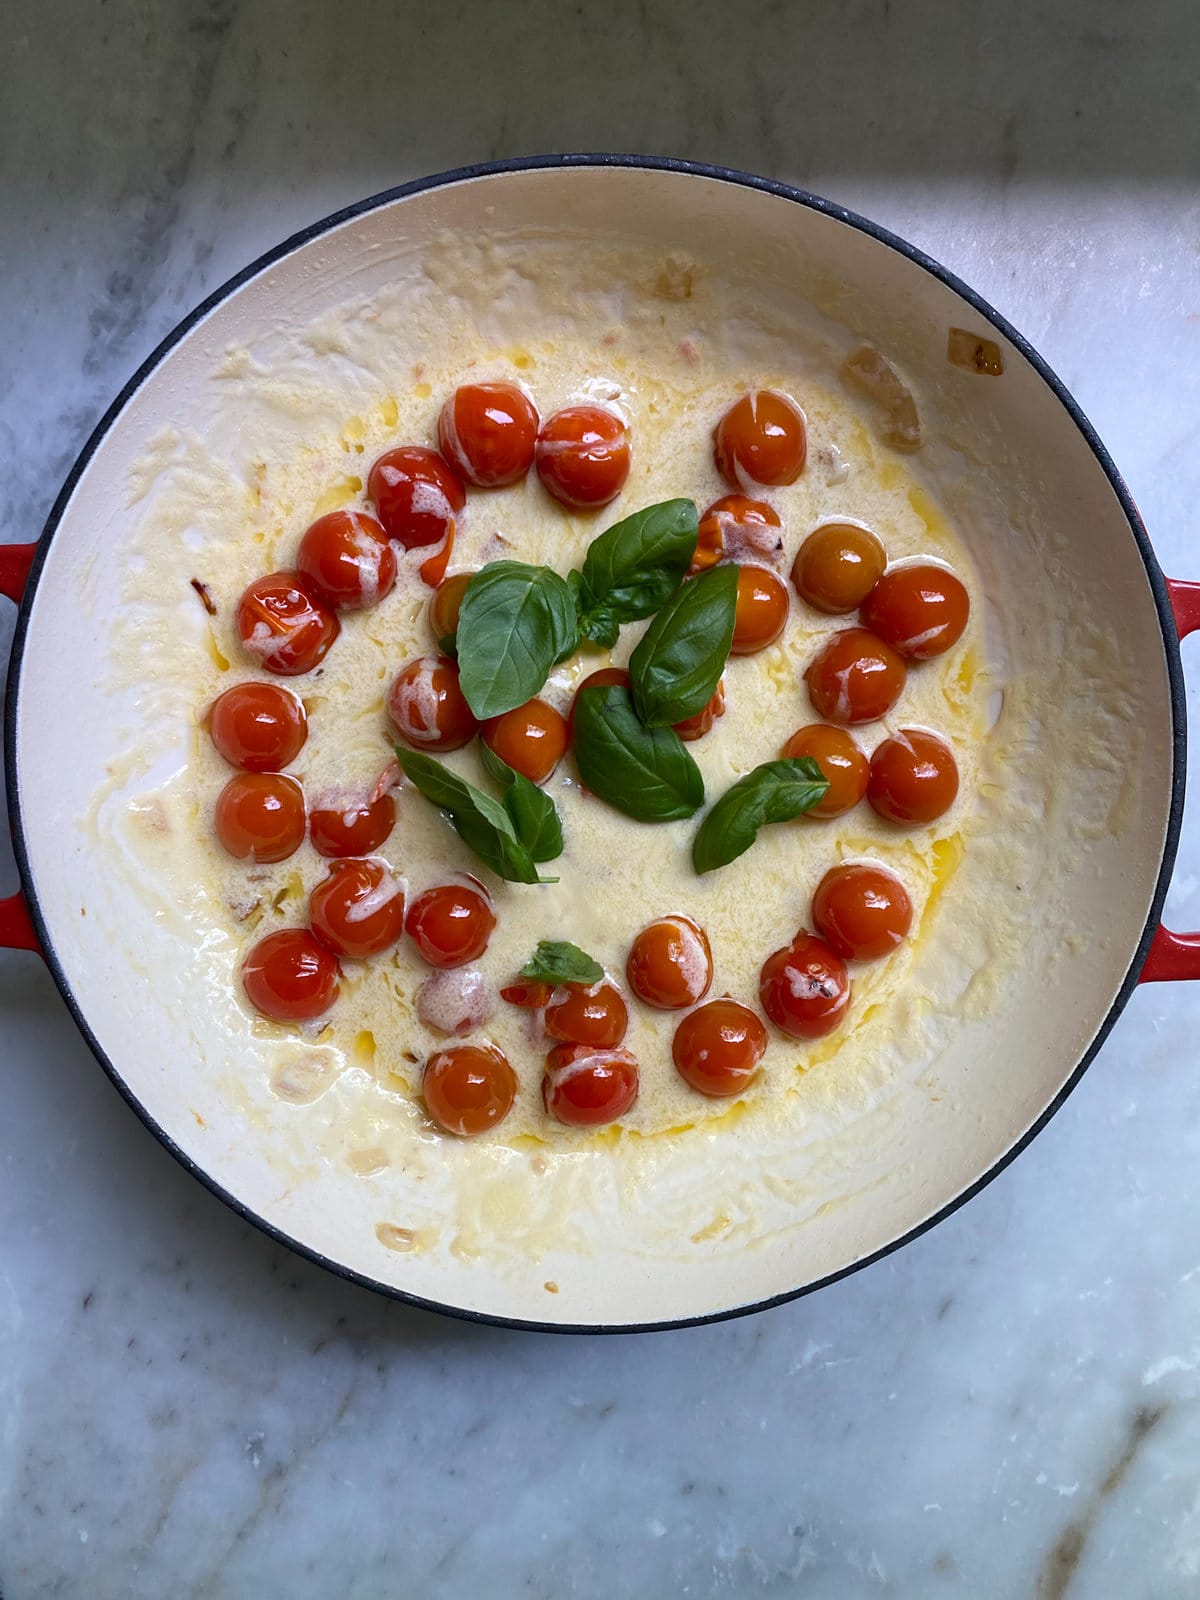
point(355, 829)
point(347, 560)
point(582, 456)
point(468, 1088)
point(260, 816)
point(761, 441)
point(417, 495)
point(444, 605)
point(914, 777)
point(594, 1015)
point(842, 763)
point(861, 911)
point(487, 432)
point(717, 1048)
point(289, 977)
point(805, 989)
point(283, 625)
point(428, 708)
point(919, 609)
point(358, 909)
point(695, 727)
point(837, 566)
point(451, 924)
point(586, 1086)
point(854, 677)
point(762, 610)
point(257, 727)
point(670, 963)
point(532, 739)
point(737, 528)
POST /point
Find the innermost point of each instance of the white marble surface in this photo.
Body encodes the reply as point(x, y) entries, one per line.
point(1009, 1407)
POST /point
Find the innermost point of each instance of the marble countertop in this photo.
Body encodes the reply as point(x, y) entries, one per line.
point(1008, 1407)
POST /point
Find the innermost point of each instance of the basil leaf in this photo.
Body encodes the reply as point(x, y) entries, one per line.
point(516, 621)
point(534, 815)
point(680, 657)
point(774, 792)
point(644, 772)
point(634, 567)
point(557, 961)
point(481, 822)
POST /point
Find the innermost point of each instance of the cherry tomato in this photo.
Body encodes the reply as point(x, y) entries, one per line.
point(427, 707)
point(455, 1002)
point(258, 727)
point(289, 977)
point(445, 604)
point(487, 432)
point(735, 527)
point(761, 441)
point(582, 456)
point(347, 560)
point(468, 1088)
point(837, 566)
point(595, 1015)
point(357, 909)
point(914, 777)
point(840, 760)
point(920, 610)
point(284, 626)
point(586, 1087)
point(854, 677)
point(354, 829)
point(532, 739)
point(417, 494)
point(804, 988)
point(695, 727)
point(260, 816)
point(670, 963)
point(762, 610)
point(600, 679)
point(717, 1047)
point(451, 924)
point(528, 993)
point(861, 911)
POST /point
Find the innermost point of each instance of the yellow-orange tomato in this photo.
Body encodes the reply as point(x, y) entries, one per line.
point(468, 1088)
point(531, 739)
point(592, 1014)
point(761, 441)
point(854, 677)
point(841, 762)
point(717, 1047)
point(920, 610)
point(837, 566)
point(862, 911)
point(695, 727)
point(736, 527)
point(914, 777)
point(670, 963)
point(762, 610)
point(427, 707)
point(445, 604)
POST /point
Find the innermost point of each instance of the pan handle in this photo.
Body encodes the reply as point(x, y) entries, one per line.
point(16, 928)
point(1176, 955)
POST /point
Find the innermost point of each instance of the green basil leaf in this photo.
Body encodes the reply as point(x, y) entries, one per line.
point(480, 821)
point(634, 567)
point(516, 621)
point(679, 659)
point(557, 961)
point(534, 815)
point(645, 772)
point(774, 792)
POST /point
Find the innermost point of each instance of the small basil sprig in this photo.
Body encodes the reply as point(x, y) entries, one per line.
point(516, 621)
point(534, 815)
point(481, 822)
point(645, 772)
point(634, 567)
point(774, 792)
point(679, 659)
point(557, 961)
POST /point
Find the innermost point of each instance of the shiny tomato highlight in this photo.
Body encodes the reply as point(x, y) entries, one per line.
point(257, 727)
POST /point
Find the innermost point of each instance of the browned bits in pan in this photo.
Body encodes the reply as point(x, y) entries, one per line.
point(974, 353)
point(206, 599)
point(872, 375)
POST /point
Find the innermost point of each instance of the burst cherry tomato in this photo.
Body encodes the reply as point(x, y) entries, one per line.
point(717, 1047)
point(451, 924)
point(427, 707)
point(592, 1014)
point(260, 816)
point(284, 626)
point(920, 610)
point(289, 977)
point(444, 605)
point(695, 727)
point(804, 988)
point(532, 739)
point(347, 560)
point(762, 610)
point(761, 441)
point(586, 1087)
point(487, 432)
point(600, 679)
point(358, 909)
point(841, 762)
point(861, 911)
point(258, 727)
point(528, 993)
point(670, 963)
point(417, 494)
point(354, 829)
point(582, 456)
point(468, 1088)
point(854, 677)
point(837, 566)
point(914, 777)
point(736, 527)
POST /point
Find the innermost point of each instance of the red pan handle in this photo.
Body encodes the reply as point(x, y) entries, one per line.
point(1176, 955)
point(16, 928)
